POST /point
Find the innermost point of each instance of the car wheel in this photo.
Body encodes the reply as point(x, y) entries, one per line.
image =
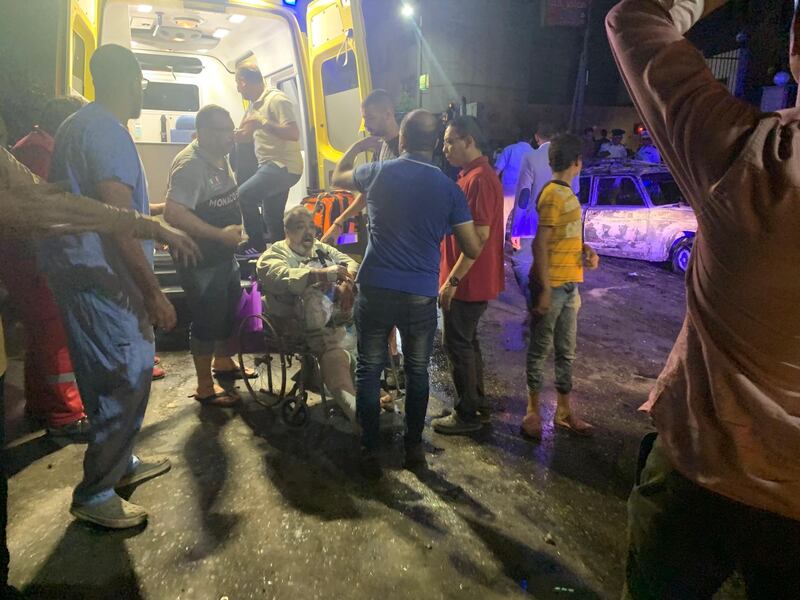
point(680, 255)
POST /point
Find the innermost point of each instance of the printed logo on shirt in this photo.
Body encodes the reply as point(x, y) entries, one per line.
point(226, 200)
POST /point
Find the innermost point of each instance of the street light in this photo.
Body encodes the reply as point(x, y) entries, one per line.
point(408, 12)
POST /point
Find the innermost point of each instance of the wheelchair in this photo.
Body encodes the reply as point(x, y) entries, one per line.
point(281, 358)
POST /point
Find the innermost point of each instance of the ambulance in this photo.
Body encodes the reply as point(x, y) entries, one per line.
point(189, 51)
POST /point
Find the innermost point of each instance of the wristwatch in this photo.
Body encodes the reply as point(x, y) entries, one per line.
point(453, 281)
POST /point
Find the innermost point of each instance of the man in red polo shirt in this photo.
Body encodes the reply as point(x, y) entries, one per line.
point(467, 285)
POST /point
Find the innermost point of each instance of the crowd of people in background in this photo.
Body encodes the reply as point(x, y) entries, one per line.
point(719, 488)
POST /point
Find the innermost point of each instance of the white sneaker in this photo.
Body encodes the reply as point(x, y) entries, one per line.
point(114, 513)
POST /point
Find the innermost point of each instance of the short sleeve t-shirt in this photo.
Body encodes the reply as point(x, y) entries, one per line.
point(277, 108)
point(560, 209)
point(92, 146)
point(484, 192)
point(412, 206)
point(210, 192)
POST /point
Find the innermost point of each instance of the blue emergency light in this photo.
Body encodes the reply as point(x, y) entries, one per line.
point(290, 2)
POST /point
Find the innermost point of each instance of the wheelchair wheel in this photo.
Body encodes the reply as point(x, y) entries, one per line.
point(294, 410)
point(268, 388)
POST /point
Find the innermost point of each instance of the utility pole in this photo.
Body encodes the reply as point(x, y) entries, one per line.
point(581, 80)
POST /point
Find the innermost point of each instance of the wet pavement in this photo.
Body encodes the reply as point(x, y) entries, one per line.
point(251, 509)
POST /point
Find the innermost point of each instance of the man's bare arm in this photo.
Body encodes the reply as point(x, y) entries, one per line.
point(343, 175)
point(161, 311)
point(338, 225)
point(464, 263)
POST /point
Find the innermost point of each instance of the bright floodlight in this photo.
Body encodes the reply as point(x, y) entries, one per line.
point(407, 11)
point(236, 18)
point(145, 8)
point(220, 33)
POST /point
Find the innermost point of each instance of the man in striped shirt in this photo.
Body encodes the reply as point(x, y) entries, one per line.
point(559, 256)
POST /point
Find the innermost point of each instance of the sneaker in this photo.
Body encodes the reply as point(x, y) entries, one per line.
point(77, 431)
point(455, 425)
point(485, 415)
point(144, 471)
point(248, 252)
point(114, 513)
point(370, 465)
point(415, 457)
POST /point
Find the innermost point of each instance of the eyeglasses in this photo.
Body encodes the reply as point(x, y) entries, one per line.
point(144, 84)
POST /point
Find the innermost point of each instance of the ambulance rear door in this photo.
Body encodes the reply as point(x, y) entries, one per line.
point(339, 78)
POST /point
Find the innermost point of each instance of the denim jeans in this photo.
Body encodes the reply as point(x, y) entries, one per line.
point(269, 189)
point(377, 311)
point(460, 339)
point(558, 329)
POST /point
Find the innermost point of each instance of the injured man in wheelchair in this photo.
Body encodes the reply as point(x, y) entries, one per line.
point(309, 290)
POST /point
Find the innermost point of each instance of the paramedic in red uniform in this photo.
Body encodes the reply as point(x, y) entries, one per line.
point(50, 389)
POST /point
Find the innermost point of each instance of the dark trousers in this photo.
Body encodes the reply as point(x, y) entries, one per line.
point(3, 497)
point(685, 541)
point(267, 189)
point(460, 338)
point(377, 312)
point(212, 294)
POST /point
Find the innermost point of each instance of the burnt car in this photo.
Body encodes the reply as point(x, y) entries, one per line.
point(634, 209)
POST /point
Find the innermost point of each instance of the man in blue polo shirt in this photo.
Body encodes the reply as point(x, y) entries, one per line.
point(412, 206)
point(107, 293)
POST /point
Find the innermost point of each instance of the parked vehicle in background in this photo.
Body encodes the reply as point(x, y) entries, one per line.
point(632, 209)
point(635, 210)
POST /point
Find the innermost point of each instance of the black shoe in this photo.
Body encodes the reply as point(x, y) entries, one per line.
point(370, 465)
point(485, 415)
point(415, 457)
point(77, 431)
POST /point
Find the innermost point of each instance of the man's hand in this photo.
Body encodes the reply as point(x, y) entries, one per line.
point(333, 274)
point(231, 236)
point(368, 144)
point(446, 295)
point(182, 248)
point(346, 296)
point(542, 303)
point(590, 258)
point(333, 233)
point(162, 313)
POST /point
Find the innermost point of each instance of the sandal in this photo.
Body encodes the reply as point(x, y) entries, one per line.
point(222, 399)
point(573, 425)
point(234, 374)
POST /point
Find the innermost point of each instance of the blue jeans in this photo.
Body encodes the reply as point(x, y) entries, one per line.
point(377, 312)
point(558, 329)
point(112, 347)
point(268, 189)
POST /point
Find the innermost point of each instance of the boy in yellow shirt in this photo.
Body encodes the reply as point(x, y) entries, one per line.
point(559, 256)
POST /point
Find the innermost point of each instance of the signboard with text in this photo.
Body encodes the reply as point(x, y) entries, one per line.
point(565, 13)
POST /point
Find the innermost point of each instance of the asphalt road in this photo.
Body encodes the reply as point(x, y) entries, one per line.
point(253, 510)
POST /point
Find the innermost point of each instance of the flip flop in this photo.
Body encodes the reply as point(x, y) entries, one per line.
point(531, 428)
point(222, 399)
point(234, 374)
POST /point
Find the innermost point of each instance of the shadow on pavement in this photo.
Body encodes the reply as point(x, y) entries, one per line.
point(83, 563)
point(208, 464)
point(536, 572)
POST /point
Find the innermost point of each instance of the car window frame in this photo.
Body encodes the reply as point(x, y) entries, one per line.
point(637, 184)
